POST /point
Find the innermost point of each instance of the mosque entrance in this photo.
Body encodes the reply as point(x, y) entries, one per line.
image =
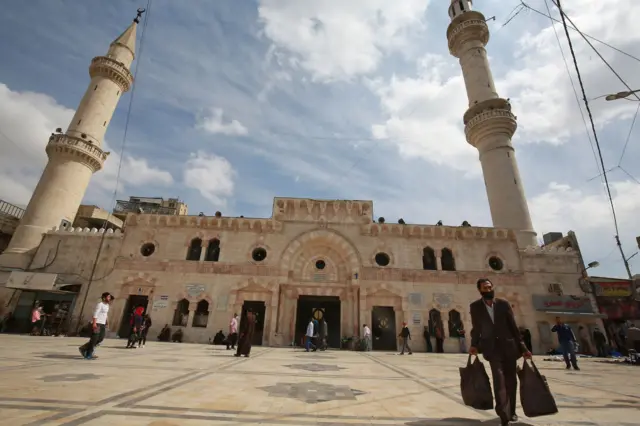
point(383, 328)
point(319, 307)
point(259, 309)
point(133, 302)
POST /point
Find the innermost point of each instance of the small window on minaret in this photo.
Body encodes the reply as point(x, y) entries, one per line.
point(118, 92)
point(95, 87)
point(105, 124)
point(79, 121)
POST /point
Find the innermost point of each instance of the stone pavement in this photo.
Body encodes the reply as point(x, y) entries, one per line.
point(45, 382)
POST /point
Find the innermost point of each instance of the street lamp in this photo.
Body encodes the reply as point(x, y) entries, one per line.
point(584, 282)
point(593, 264)
point(621, 95)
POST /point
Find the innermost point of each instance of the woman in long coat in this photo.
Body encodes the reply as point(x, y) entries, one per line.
point(247, 327)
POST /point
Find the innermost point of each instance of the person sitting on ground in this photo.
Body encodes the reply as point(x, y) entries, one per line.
point(177, 336)
point(165, 333)
point(218, 339)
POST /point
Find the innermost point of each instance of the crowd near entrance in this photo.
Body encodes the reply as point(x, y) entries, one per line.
point(133, 302)
point(319, 307)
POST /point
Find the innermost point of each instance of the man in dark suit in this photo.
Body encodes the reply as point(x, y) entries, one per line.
point(494, 333)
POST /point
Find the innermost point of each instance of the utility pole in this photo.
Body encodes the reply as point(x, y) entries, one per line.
point(624, 258)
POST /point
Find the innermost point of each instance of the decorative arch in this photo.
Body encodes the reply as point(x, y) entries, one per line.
point(212, 253)
point(382, 295)
point(447, 259)
point(318, 238)
point(194, 250)
point(139, 284)
point(429, 262)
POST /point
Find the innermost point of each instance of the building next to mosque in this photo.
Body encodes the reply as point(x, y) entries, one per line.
point(311, 258)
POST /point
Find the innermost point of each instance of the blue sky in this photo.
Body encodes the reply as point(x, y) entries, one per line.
point(238, 102)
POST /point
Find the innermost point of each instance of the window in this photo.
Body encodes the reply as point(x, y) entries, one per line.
point(259, 254)
point(429, 259)
point(455, 323)
point(147, 249)
point(435, 320)
point(195, 249)
point(555, 288)
point(213, 251)
point(495, 263)
point(382, 259)
point(320, 264)
point(448, 262)
point(201, 315)
point(181, 314)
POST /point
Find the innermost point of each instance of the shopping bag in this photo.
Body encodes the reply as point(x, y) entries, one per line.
point(535, 395)
point(475, 386)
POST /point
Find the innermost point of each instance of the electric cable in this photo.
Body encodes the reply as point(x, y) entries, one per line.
point(633, 122)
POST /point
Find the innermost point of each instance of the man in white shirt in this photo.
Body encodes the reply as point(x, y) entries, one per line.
point(233, 332)
point(98, 326)
point(309, 336)
point(367, 337)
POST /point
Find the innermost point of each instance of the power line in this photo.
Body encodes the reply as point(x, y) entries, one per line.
point(583, 34)
point(593, 129)
point(633, 122)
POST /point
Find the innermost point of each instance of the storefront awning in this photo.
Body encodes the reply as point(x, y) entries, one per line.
point(576, 314)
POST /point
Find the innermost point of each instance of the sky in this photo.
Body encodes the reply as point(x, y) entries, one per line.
point(237, 102)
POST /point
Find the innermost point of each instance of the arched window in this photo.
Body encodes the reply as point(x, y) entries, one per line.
point(435, 320)
point(181, 314)
point(429, 259)
point(447, 260)
point(213, 251)
point(201, 315)
point(455, 323)
point(195, 249)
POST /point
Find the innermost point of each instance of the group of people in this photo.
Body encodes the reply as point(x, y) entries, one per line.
point(316, 335)
point(140, 322)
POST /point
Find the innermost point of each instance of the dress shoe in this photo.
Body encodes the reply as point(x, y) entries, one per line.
point(514, 418)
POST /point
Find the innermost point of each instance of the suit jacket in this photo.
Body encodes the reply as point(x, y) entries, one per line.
point(499, 339)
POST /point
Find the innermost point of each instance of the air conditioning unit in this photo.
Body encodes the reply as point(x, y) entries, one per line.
point(555, 288)
point(65, 224)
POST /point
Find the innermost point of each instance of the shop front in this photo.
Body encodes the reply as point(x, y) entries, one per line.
point(576, 311)
point(614, 298)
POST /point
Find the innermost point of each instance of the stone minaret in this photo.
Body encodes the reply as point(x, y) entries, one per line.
point(74, 156)
point(489, 123)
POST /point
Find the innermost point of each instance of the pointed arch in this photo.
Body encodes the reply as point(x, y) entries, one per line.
point(213, 251)
point(201, 314)
point(195, 249)
point(429, 259)
point(454, 323)
point(447, 260)
point(181, 314)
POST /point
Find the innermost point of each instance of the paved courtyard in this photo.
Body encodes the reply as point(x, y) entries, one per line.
point(45, 382)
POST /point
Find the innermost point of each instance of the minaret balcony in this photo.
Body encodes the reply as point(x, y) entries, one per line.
point(488, 119)
point(113, 70)
point(469, 27)
point(61, 145)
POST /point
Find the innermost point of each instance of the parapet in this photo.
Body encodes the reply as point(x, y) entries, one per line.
point(327, 211)
point(205, 222)
point(86, 232)
point(537, 250)
point(434, 231)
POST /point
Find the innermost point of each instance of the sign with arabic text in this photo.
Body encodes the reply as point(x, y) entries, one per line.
point(552, 303)
point(613, 288)
point(194, 290)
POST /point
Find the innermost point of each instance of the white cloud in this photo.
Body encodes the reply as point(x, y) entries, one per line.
point(334, 39)
point(211, 175)
point(26, 121)
point(214, 124)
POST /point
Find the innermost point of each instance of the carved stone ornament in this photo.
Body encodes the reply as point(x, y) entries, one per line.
point(442, 300)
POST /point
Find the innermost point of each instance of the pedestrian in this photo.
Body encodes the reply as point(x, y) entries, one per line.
point(439, 339)
point(98, 326)
point(462, 339)
point(405, 336)
point(136, 328)
point(366, 331)
point(146, 325)
point(308, 337)
point(600, 340)
point(323, 332)
point(526, 338)
point(247, 327)
point(567, 341)
point(494, 330)
point(427, 338)
point(233, 332)
point(36, 320)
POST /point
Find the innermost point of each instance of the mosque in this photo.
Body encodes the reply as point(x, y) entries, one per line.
point(311, 258)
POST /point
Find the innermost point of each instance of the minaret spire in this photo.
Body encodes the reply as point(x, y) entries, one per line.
point(75, 154)
point(489, 123)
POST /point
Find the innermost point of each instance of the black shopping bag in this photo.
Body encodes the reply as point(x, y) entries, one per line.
point(475, 386)
point(535, 395)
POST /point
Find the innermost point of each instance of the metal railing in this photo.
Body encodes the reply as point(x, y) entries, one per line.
point(12, 210)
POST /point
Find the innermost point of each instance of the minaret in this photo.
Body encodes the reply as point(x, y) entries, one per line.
point(489, 123)
point(74, 156)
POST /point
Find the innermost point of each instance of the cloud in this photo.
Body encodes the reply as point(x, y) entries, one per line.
point(336, 40)
point(214, 124)
point(27, 120)
point(210, 175)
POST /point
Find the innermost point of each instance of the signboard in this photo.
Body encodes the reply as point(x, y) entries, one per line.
point(551, 303)
point(164, 297)
point(31, 281)
point(194, 290)
point(620, 288)
point(442, 300)
point(417, 318)
point(415, 299)
point(160, 304)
